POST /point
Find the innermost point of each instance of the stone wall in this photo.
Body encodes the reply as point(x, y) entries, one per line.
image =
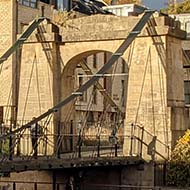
point(13, 18)
point(27, 180)
point(6, 38)
point(85, 178)
point(27, 14)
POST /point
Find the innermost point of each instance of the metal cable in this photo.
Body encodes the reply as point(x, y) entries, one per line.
point(28, 89)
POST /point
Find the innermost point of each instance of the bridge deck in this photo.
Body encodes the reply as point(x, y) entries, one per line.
point(50, 163)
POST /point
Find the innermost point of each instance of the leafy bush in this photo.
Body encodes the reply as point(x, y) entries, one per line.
point(179, 166)
point(182, 7)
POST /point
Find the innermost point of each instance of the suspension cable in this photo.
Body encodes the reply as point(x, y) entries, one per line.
point(142, 87)
point(28, 89)
point(38, 87)
point(152, 95)
point(8, 103)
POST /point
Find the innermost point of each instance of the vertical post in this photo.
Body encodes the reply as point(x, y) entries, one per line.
point(131, 145)
point(58, 140)
point(10, 144)
point(71, 138)
point(58, 186)
point(79, 144)
point(42, 9)
point(36, 141)
point(35, 186)
point(155, 173)
point(14, 185)
point(54, 181)
point(70, 5)
point(141, 141)
point(79, 151)
point(116, 149)
point(164, 174)
point(98, 150)
point(1, 132)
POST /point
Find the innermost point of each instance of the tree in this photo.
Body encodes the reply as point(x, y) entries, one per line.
point(179, 167)
point(177, 8)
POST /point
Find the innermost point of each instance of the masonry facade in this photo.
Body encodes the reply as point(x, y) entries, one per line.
point(46, 74)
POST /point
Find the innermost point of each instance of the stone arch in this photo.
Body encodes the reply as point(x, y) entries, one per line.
point(67, 81)
point(71, 50)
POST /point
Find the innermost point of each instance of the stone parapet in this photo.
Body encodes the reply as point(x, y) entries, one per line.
point(107, 27)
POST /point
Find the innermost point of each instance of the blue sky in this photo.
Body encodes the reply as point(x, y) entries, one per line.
point(155, 4)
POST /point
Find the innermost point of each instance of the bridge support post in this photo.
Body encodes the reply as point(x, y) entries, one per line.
point(98, 151)
point(132, 136)
point(54, 181)
point(79, 151)
point(72, 137)
point(35, 186)
point(58, 140)
point(14, 185)
point(115, 149)
point(10, 145)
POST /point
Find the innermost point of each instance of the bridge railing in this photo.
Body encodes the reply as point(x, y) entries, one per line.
point(74, 140)
point(70, 140)
point(144, 144)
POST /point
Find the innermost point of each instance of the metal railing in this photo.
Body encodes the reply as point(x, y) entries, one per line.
point(72, 142)
point(49, 143)
point(142, 143)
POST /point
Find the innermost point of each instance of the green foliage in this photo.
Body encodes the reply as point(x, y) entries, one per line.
point(5, 147)
point(182, 7)
point(179, 167)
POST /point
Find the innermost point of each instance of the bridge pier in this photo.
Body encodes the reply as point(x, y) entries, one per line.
point(134, 176)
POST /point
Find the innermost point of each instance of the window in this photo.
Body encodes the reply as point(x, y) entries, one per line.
point(105, 57)
point(84, 96)
point(94, 92)
point(90, 118)
point(105, 83)
point(95, 61)
point(123, 66)
point(29, 3)
point(187, 91)
point(122, 92)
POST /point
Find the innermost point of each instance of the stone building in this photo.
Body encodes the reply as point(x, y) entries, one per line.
point(47, 69)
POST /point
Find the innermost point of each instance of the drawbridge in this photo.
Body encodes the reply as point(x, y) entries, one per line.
point(78, 155)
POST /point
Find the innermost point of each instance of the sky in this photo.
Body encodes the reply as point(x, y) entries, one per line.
point(155, 4)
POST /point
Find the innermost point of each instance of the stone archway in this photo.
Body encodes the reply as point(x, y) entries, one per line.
point(116, 88)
